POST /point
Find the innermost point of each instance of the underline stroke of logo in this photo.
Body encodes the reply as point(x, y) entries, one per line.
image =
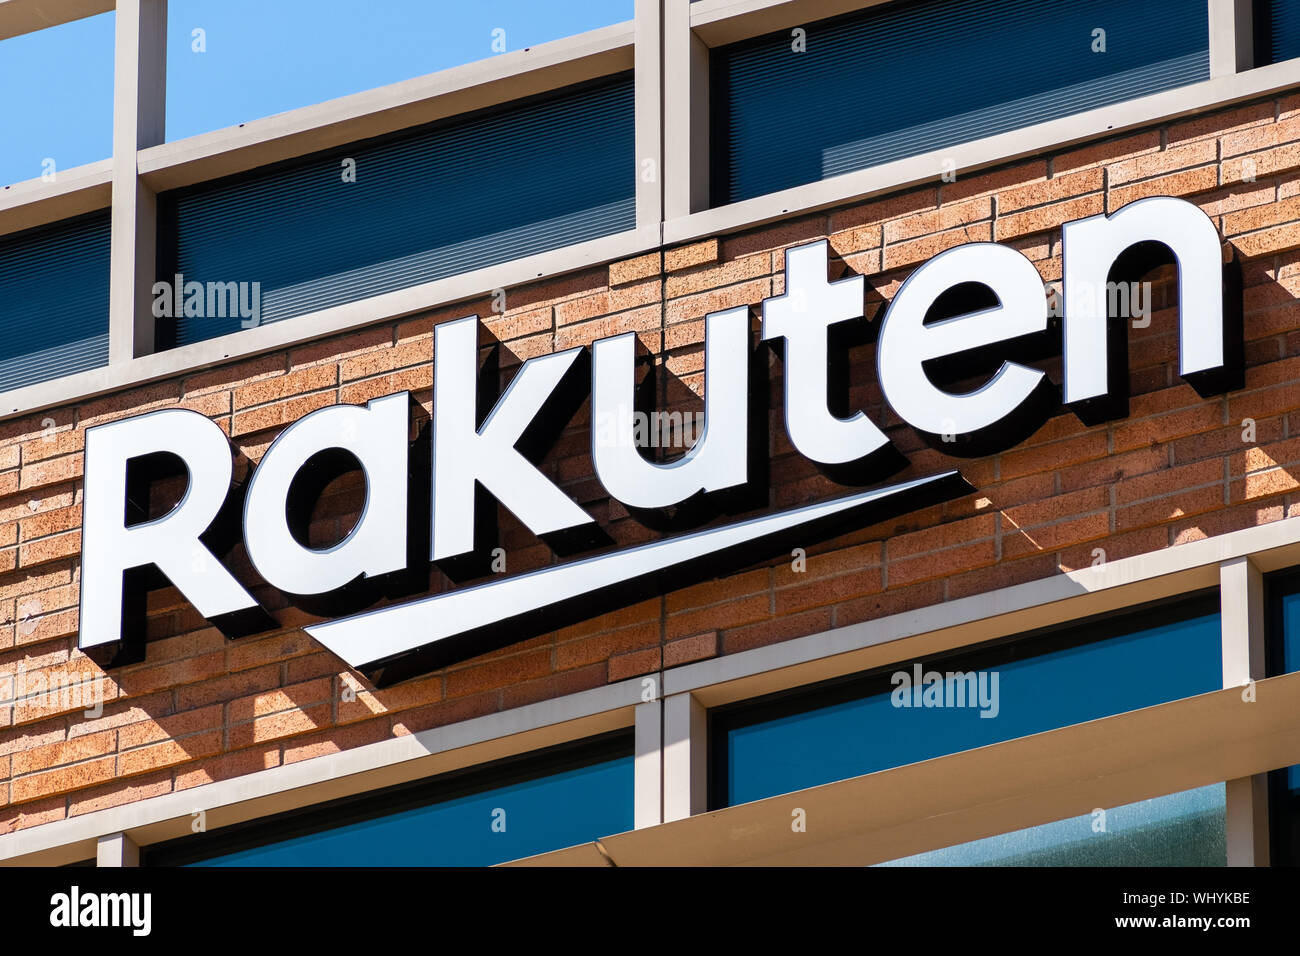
point(392, 643)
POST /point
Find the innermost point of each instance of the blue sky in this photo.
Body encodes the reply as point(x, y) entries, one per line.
point(301, 52)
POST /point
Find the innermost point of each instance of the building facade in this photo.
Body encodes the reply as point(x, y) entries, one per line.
point(1080, 654)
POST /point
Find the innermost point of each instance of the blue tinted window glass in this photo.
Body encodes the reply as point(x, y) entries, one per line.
point(907, 78)
point(54, 300)
point(546, 811)
point(1277, 31)
point(387, 214)
point(1182, 829)
point(1291, 632)
point(1290, 648)
point(1024, 687)
point(1283, 657)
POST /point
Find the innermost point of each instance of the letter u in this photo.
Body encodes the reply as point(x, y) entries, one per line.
point(719, 457)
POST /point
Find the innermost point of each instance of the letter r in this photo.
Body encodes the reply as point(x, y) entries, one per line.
point(117, 544)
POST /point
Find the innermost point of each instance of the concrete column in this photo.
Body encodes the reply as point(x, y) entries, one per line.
point(1232, 40)
point(648, 767)
point(686, 763)
point(648, 71)
point(139, 108)
point(686, 114)
point(117, 849)
point(1241, 596)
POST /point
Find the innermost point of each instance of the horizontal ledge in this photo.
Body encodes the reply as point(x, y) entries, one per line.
point(719, 22)
point(37, 202)
point(458, 90)
point(390, 306)
point(927, 631)
point(319, 779)
point(27, 16)
point(1000, 788)
point(975, 155)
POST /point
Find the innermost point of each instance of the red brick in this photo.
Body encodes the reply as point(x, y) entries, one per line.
point(1185, 183)
point(690, 649)
point(288, 723)
point(32, 759)
point(630, 270)
point(623, 666)
point(919, 250)
point(310, 379)
point(940, 563)
point(62, 780)
point(169, 753)
point(1170, 507)
point(498, 673)
point(226, 766)
point(698, 253)
point(600, 647)
point(1048, 217)
point(280, 413)
point(1051, 190)
point(1107, 151)
point(555, 685)
point(735, 613)
point(335, 740)
point(117, 793)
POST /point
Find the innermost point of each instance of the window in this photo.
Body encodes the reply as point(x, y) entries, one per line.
point(231, 61)
point(1182, 829)
point(485, 815)
point(54, 300)
point(1282, 652)
point(1277, 31)
point(907, 78)
point(386, 214)
point(58, 107)
point(998, 691)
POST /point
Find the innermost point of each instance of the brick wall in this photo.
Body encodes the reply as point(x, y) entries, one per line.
point(201, 708)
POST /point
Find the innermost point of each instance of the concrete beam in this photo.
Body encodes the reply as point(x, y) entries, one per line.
point(983, 792)
point(452, 92)
point(18, 17)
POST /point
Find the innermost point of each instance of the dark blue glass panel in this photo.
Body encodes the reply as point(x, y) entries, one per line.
point(54, 300)
point(387, 214)
point(1288, 621)
point(1032, 684)
point(1277, 31)
point(539, 815)
point(907, 78)
point(1283, 656)
point(477, 817)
